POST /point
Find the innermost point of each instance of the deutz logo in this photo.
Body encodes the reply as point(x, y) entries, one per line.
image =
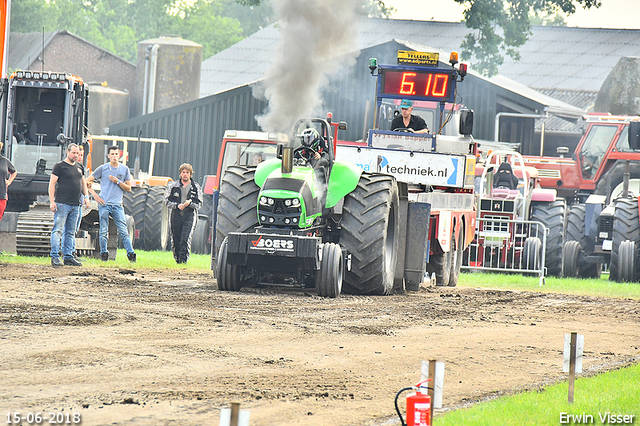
point(272, 243)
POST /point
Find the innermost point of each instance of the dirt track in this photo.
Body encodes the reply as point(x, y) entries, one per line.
point(151, 348)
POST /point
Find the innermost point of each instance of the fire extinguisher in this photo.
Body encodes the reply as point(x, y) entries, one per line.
point(418, 406)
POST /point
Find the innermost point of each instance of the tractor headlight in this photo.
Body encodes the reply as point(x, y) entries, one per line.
point(286, 221)
point(263, 218)
point(295, 202)
point(270, 201)
point(263, 201)
point(271, 220)
point(287, 202)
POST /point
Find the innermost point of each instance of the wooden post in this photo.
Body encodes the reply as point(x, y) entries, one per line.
point(235, 413)
point(572, 365)
point(432, 385)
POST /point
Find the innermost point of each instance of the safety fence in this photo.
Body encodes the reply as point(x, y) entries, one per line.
point(510, 246)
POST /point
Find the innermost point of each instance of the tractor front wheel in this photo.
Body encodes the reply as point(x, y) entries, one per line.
point(329, 277)
point(227, 275)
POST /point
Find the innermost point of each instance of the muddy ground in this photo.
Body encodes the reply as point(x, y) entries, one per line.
point(167, 348)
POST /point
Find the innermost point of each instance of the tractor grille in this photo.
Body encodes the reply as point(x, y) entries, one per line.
point(501, 224)
point(605, 225)
point(549, 173)
point(497, 206)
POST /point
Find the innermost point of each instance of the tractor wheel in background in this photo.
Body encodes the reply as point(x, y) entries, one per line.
point(440, 264)
point(571, 253)
point(200, 241)
point(237, 203)
point(532, 254)
point(552, 216)
point(135, 203)
point(329, 277)
point(626, 226)
point(627, 262)
point(227, 275)
point(615, 175)
point(456, 257)
point(370, 228)
point(156, 221)
point(575, 231)
point(131, 228)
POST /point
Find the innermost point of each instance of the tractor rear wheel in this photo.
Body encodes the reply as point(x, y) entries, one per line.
point(329, 277)
point(575, 231)
point(370, 228)
point(227, 275)
point(552, 216)
point(626, 226)
point(156, 221)
point(532, 254)
point(237, 203)
point(135, 203)
point(615, 176)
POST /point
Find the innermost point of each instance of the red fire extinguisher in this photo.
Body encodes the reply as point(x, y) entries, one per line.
point(418, 406)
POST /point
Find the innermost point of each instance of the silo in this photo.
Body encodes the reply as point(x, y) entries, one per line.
point(168, 73)
point(107, 106)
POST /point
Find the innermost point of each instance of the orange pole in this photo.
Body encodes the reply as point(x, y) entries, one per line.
point(5, 16)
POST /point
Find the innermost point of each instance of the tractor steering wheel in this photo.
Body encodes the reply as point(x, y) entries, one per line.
point(304, 153)
point(404, 130)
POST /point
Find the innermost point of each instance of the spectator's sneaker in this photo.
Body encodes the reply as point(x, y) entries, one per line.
point(104, 256)
point(131, 257)
point(72, 262)
point(55, 261)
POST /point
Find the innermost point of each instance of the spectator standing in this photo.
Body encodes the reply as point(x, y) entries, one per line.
point(66, 186)
point(115, 178)
point(7, 174)
point(184, 199)
point(80, 162)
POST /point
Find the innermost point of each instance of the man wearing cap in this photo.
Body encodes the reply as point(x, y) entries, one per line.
point(406, 120)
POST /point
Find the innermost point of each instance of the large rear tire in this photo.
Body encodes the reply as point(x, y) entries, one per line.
point(370, 227)
point(575, 231)
point(626, 226)
point(135, 204)
point(615, 175)
point(552, 216)
point(329, 277)
point(156, 221)
point(237, 203)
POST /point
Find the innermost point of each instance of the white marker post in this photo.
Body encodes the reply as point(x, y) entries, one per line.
point(434, 370)
point(234, 416)
point(572, 363)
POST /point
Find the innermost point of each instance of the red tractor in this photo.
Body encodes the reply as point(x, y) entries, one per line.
point(601, 184)
point(513, 218)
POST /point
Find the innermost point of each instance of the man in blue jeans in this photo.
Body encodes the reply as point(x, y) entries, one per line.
point(115, 178)
point(66, 185)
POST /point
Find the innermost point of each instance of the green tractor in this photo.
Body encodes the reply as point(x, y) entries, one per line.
point(286, 223)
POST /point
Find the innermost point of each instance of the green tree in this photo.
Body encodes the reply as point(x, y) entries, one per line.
point(118, 25)
point(502, 26)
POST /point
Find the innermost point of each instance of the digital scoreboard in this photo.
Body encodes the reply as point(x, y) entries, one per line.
point(431, 84)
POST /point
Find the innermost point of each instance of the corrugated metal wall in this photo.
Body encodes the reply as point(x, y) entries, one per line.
point(195, 129)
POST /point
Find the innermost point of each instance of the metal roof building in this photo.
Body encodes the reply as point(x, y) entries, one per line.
point(195, 129)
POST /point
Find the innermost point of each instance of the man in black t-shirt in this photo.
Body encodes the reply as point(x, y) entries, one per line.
point(66, 185)
point(406, 120)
